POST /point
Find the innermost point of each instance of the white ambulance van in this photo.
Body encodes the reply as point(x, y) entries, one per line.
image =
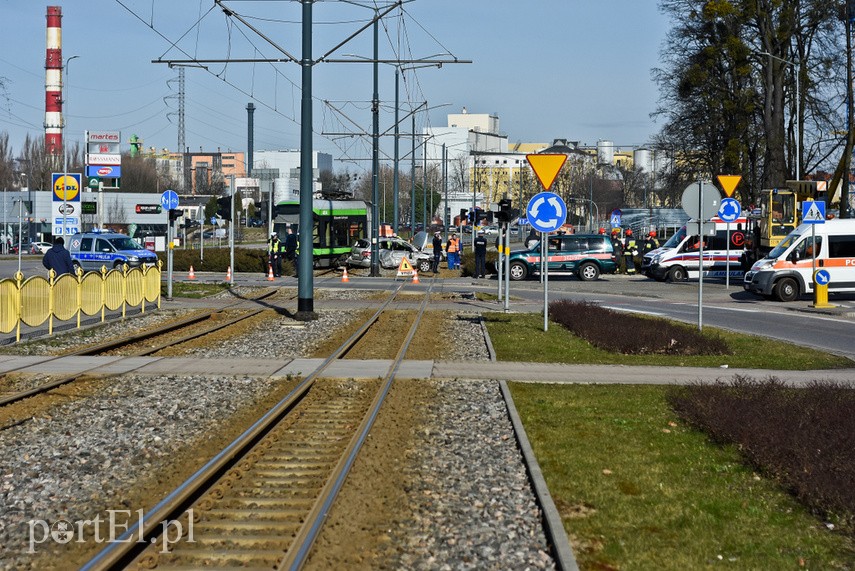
point(677, 259)
point(785, 273)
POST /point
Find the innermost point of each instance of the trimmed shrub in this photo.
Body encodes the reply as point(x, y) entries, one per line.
point(632, 334)
point(804, 437)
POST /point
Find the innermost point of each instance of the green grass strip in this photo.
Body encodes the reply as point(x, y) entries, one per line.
point(637, 489)
point(520, 337)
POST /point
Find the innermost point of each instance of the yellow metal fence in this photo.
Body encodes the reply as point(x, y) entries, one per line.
point(36, 300)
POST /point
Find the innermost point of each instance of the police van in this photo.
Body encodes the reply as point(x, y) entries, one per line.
point(677, 259)
point(787, 270)
point(91, 250)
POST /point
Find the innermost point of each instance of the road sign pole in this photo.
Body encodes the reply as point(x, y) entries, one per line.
point(700, 255)
point(813, 249)
point(545, 274)
point(727, 263)
point(507, 266)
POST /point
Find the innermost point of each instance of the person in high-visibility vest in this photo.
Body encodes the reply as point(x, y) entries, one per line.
point(452, 250)
point(630, 250)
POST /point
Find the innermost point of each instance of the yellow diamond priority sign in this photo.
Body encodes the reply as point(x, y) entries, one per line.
point(546, 166)
point(728, 183)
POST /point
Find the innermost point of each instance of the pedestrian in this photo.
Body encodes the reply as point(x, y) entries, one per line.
point(58, 259)
point(291, 248)
point(437, 252)
point(274, 253)
point(617, 246)
point(452, 249)
point(630, 250)
point(480, 255)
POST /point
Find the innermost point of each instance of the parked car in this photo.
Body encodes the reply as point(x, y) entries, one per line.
point(586, 255)
point(40, 247)
point(91, 250)
point(391, 251)
point(488, 230)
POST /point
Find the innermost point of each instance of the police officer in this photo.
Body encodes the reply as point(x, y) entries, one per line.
point(437, 252)
point(480, 255)
point(274, 254)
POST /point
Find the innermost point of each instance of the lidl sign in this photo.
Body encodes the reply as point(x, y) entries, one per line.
point(66, 186)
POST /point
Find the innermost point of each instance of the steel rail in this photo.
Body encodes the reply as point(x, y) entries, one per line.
point(295, 558)
point(109, 345)
point(130, 544)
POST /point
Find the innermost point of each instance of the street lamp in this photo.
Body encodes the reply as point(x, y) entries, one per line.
point(796, 66)
point(64, 152)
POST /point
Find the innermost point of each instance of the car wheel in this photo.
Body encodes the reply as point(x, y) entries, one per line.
point(518, 271)
point(677, 274)
point(118, 264)
point(786, 290)
point(588, 272)
point(425, 266)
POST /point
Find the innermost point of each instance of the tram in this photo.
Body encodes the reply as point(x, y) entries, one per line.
point(336, 225)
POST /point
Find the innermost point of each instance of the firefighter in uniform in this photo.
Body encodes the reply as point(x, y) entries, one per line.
point(630, 249)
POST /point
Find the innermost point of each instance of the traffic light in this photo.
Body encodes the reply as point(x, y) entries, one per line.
point(504, 214)
point(262, 209)
point(224, 207)
point(175, 214)
point(489, 217)
point(463, 213)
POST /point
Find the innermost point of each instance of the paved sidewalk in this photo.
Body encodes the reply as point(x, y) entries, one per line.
point(349, 368)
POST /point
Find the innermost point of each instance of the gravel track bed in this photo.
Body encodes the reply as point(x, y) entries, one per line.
point(471, 500)
point(80, 461)
point(472, 504)
point(75, 338)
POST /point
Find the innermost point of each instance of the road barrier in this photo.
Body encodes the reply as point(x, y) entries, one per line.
point(37, 299)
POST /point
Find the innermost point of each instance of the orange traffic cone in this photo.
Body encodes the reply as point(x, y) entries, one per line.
point(191, 275)
point(229, 274)
point(415, 276)
point(344, 278)
point(269, 272)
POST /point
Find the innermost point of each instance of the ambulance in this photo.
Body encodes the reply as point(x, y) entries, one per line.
point(786, 273)
point(677, 259)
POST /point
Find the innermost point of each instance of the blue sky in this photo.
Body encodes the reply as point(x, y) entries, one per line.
point(574, 69)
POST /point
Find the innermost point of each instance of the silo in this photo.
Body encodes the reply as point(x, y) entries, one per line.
point(605, 152)
point(642, 158)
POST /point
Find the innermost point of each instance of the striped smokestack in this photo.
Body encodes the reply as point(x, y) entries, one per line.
point(53, 81)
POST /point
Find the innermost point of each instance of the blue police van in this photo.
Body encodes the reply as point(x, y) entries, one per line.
point(91, 250)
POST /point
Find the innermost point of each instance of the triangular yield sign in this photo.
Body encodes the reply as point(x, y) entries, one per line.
point(546, 167)
point(728, 183)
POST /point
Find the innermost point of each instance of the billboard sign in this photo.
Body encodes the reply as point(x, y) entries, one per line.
point(104, 171)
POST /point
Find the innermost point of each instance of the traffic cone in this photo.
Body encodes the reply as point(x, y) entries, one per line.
point(269, 272)
point(344, 278)
point(415, 276)
point(229, 274)
point(191, 275)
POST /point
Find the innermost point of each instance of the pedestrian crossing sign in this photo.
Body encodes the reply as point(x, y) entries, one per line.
point(405, 268)
point(813, 212)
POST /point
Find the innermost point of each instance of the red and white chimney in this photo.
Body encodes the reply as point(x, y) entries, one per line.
point(53, 82)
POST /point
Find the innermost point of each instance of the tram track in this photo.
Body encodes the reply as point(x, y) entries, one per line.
point(287, 449)
point(199, 323)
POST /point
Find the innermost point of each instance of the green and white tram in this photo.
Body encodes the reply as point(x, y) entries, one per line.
point(337, 224)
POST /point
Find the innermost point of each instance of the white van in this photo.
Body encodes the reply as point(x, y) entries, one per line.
point(785, 273)
point(677, 259)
